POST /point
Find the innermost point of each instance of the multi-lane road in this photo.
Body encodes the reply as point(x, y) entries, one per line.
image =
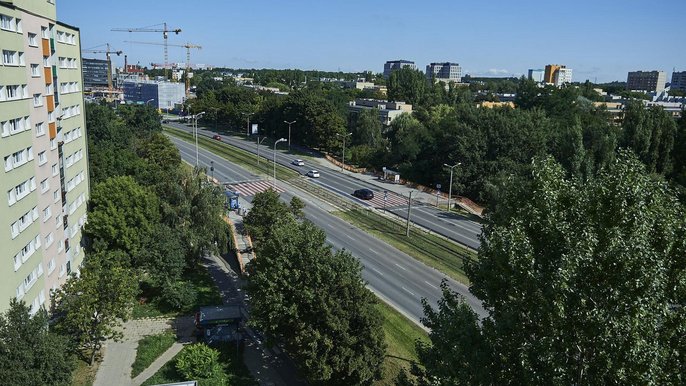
point(450, 225)
point(394, 276)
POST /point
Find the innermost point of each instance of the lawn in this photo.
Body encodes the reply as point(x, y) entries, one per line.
point(232, 365)
point(150, 306)
point(83, 374)
point(401, 335)
point(434, 251)
point(149, 349)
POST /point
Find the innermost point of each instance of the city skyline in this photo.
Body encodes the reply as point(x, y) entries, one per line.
point(598, 40)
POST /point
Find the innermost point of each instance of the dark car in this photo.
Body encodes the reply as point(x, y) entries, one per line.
point(217, 137)
point(364, 194)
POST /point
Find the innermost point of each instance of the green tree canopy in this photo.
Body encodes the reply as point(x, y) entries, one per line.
point(31, 354)
point(407, 85)
point(584, 283)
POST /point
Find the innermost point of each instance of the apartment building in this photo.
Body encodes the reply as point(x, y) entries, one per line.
point(43, 150)
point(537, 75)
point(649, 81)
point(678, 80)
point(557, 74)
point(393, 65)
point(388, 110)
point(444, 72)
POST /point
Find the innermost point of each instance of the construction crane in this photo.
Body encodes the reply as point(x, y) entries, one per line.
point(107, 53)
point(188, 47)
point(165, 33)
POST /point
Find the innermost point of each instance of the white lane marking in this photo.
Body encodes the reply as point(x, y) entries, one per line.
point(376, 270)
point(430, 285)
point(408, 291)
point(350, 237)
point(400, 266)
point(373, 251)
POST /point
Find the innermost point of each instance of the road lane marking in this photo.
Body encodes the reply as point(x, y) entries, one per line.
point(430, 285)
point(376, 270)
point(373, 251)
point(350, 237)
point(400, 266)
point(408, 291)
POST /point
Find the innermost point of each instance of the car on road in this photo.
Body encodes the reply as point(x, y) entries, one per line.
point(217, 137)
point(313, 174)
point(298, 162)
point(364, 194)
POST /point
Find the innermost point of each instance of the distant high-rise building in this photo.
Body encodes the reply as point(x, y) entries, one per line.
point(163, 95)
point(537, 75)
point(393, 65)
point(43, 148)
point(563, 76)
point(549, 74)
point(94, 73)
point(678, 80)
point(445, 72)
point(649, 81)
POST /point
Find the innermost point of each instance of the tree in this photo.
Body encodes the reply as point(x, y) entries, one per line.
point(366, 128)
point(584, 284)
point(650, 134)
point(407, 85)
point(315, 303)
point(91, 306)
point(122, 215)
point(198, 361)
point(266, 212)
point(31, 354)
point(297, 207)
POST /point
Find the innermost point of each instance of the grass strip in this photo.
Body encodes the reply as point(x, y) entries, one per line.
point(149, 349)
point(432, 250)
point(234, 154)
point(401, 336)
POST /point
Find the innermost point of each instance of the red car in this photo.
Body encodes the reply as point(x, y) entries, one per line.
point(217, 137)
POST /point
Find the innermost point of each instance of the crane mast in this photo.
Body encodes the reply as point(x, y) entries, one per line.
point(165, 34)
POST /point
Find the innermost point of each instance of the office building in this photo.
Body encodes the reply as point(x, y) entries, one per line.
point(537, 75)
point(648, 81)
point(43, 148)
point(163, 95)
point(388, 111)
point(95, 73)
point(393, 65)
point(678, 81)
point(444, 72)
point(562, 76)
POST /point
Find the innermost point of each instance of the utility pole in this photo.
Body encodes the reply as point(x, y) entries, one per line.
point(248, 130)
point(450, 188)
point(275, 143)
point(197, 157)
point(343, 159)
point(289, 134)
point(259, 141)
point(409, 210)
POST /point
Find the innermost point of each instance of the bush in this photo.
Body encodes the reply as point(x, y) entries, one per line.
point(199, 362)
point(179, 295)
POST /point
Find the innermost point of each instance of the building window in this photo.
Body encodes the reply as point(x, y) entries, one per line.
point(40, 129)
point(47, 213)
point(49, 239)
point(44, 33)
point(42, 158)
point(33, 41)
point(37, 100)
point(44, 185)
point(7, 23)
point(56, 196)
point(55, 170)
point(35, 70)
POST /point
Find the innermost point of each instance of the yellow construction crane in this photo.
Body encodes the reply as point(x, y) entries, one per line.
point(165, 33)
point(188, 47)
point(107, 53)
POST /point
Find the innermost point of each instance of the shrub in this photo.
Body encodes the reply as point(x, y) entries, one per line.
point(179, 295)
point(199, 361)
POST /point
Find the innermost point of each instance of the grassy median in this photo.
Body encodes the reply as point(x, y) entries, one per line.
point(149, 349)
point(432, 250)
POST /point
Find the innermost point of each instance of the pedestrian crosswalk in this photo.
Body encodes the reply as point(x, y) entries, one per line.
point(253, 187)
point(388, 200)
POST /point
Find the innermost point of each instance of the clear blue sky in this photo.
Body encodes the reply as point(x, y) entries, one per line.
point(600, 39)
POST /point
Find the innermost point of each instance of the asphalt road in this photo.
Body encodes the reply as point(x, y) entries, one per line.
point(393, 275)
point(450, 225)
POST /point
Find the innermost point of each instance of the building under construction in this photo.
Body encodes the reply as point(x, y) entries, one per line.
point(161, 94)
point(94, 73)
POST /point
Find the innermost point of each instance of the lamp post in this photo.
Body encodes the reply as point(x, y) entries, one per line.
point(450, 188)
point(212, 169)
point(289, 133)
point(248, 117)
point(149, 100)
point(195, 130)
point(277, 141)
point(343, 158)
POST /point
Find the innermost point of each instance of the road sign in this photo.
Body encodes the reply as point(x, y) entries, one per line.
point(385, 195)
point(438, 186)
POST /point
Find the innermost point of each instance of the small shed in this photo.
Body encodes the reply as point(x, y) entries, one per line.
point(391, 175)
point(219, 323)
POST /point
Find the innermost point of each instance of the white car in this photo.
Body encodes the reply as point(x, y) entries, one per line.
point(313, 174)
point(298, 162)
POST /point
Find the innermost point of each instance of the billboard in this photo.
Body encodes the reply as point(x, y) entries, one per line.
point(253, 129)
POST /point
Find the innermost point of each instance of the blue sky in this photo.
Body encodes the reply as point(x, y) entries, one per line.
point(598, 39)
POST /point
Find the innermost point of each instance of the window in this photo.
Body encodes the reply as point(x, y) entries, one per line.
point(12, 92)
point(42, 158)
point(44, 33)
point(46, 61)
point(40, 129)
point(10, 58)
point(49, 239)
point(55, 170)
point(33, 41)
point(35, 70)
point(51, 264)
point(37, 100)
point(56, 195)
point(44, 185)
point(47, 213)
point(7, 23)
point(19, 25)
point(53, 144)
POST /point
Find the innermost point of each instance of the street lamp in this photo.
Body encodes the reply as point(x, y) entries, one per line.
point(450, 188)
point(149, 100)
point(212, 169)
point(248, 116)
point(289, 133)
point(195, 130)
point(277, 141)
point(344, 136)
point(259, 142)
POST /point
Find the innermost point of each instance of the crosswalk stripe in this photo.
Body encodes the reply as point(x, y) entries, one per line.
point(252, 188)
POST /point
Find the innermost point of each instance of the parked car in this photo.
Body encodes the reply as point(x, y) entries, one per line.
point(298, 162)
point(217, 137)
point(313, 174)
point(364, 194)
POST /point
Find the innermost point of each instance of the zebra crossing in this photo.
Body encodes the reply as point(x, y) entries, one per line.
point(253, 187)
point(391, 200)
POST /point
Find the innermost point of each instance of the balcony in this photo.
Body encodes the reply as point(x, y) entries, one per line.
point(50, 101)
point(46, 47)
point(52, 130)
point(48, 75)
